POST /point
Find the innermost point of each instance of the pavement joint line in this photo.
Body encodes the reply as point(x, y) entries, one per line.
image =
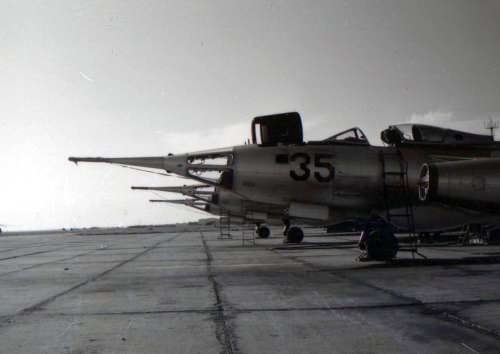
point(9, 249)
point(443, 315)
point(53, 250)
point(42, 264)
point(30, 245)
point(221, 265)
point(59, 260)
point(39, 305)
point(469, 324)
point(220, 307)
point(30, 254)
point(235, 311)
point(138, 313)
point(291, 309)
point(249, 310)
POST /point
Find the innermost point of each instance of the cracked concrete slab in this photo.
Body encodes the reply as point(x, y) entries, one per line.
point(137, 291)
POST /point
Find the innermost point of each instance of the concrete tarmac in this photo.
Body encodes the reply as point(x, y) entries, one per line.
point(168, 291)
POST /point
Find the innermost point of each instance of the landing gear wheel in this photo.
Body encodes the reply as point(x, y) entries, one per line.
point(295, 235)
point(381, 245)
point(263, 232)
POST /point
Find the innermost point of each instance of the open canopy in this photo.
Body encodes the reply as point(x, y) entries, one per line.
point(425, 134)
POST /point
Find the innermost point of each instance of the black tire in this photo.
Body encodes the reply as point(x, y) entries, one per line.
point(381, 245)
point(264, 232)
point(295, 235)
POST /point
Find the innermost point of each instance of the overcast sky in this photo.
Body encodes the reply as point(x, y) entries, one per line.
point(145, 78)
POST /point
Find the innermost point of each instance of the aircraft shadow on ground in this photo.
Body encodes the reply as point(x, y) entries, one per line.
point(418, 261)
point(316, 245)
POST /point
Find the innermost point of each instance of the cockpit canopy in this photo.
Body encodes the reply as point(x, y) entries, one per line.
point(397, 135)
point(286, 129)
point(277, 129)
point(353, 135)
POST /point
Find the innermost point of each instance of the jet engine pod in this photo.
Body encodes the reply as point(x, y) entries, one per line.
point(471, 184)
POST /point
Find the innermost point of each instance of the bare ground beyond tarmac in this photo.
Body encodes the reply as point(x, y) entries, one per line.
point(174, 291)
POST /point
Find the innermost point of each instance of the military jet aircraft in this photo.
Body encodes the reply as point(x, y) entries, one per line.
point(343, 177)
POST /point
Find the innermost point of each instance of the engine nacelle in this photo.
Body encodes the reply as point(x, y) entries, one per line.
point(470, 184)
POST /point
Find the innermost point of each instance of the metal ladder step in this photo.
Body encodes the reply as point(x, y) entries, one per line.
point(224, 224)
point(247, 231)
point(398, 162)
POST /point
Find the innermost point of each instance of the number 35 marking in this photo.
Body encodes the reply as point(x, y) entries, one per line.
point(306, 172)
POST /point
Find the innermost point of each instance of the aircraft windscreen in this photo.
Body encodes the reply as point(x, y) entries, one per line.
point(353, 135)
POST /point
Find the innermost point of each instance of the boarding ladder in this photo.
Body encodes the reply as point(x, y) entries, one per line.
point(473, 234)
point(397, 192)
point(225, 224)
point(247, 230)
